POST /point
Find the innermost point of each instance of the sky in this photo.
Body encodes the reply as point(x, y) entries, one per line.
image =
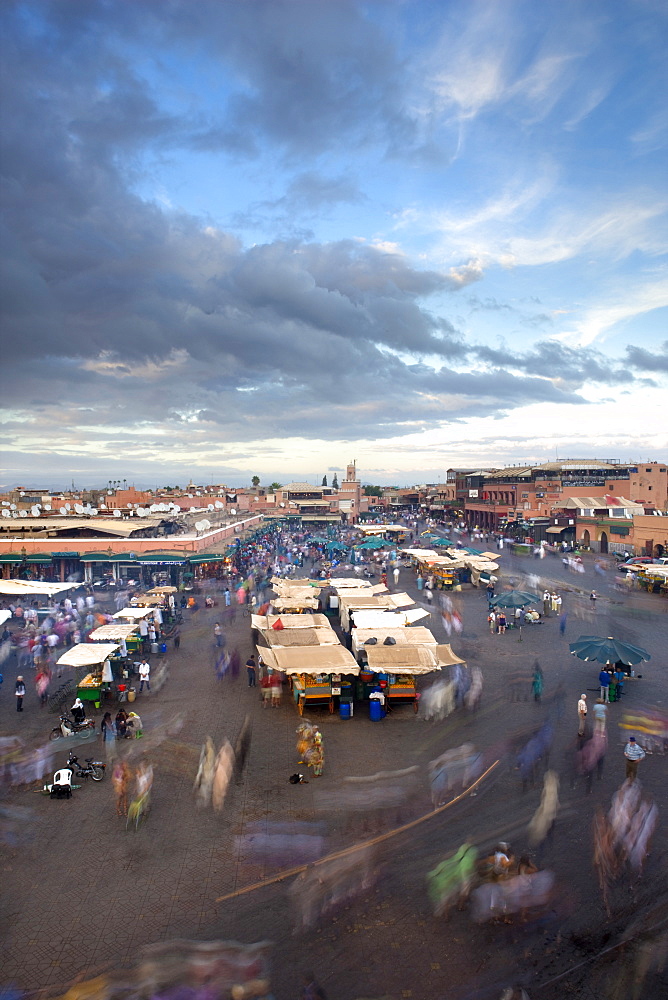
point(267, 237)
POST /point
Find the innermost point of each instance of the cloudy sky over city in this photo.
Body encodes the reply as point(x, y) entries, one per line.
point(268, 236)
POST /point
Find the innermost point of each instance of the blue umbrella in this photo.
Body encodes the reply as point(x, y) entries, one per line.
point(513, 599)
point(608, 650)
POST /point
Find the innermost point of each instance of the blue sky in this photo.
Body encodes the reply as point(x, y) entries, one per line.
point(267, 237)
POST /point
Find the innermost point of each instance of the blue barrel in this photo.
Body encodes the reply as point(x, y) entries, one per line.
point(375, 710)
point(344, 709)
point(163, 648)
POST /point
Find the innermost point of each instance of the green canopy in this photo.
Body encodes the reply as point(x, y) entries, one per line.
point(374, 543)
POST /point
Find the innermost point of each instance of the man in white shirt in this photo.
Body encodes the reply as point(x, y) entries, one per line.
point(582, 714)
point(144, 676)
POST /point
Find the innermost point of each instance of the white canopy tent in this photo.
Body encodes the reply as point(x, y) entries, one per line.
point(445, 656)
point(86, 654)
point(417, 635)
point(134, 614)
point(115, 630)
point(290, 621)
point(4, 615)
point(410, 660)
point(31, 588)
point(364, 618)
point(300, 637)
point(293, 603)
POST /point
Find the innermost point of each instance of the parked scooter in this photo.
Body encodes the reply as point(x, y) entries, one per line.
point(67, 728)
point(91, 769)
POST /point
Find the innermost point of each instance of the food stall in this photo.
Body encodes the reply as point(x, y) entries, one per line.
point(94, 655)
point(654, 579)
point(318, 674)
point(395, 669)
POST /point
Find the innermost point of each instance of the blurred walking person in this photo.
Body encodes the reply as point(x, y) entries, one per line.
point(582, 714)
point(120, 780)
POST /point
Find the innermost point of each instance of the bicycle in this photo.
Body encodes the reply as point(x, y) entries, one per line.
point(64, 692)
point(138, 810)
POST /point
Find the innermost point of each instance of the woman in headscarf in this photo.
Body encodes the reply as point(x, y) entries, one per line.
point(78, 711)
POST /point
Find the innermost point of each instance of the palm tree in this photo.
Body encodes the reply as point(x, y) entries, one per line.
point(255, 481)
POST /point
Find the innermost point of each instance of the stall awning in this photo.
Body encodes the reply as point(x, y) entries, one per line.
point(11, 557)
point(134, 613)
point(399, 600)
point(210, 558)
point(445, 656)
point(349, 583)
point(294, 591)
point(301, 637)
point(161, 559)
point(290, 621)
point(87, 653)
point(294, 603)
point(161, 590)
point(365, 618)
point(554, 529)
point(115, 631)
point(401, 659)
point(29, 588)
point(417, 635)
point(313, 660)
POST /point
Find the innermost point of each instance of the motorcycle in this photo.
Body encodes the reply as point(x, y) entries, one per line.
point(67, 728)
point(91, 769)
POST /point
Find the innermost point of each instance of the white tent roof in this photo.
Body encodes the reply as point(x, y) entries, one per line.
point(350, 583)
point(417, 635)
point(300, 637)
point(134, 613)
point(294, 603)
point(4, 615)
point(372, 618)
point(29, 588)
point(115, 630)
point(401, 659)
point(290, 621)
point(87, 653)
point(401, 600)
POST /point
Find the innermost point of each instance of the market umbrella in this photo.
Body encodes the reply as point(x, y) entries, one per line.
point(608, 650)
point(514, 599)
point(372, 543)
point(336, 547)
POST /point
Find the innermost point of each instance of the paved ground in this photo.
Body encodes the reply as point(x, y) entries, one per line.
point(80, 895)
